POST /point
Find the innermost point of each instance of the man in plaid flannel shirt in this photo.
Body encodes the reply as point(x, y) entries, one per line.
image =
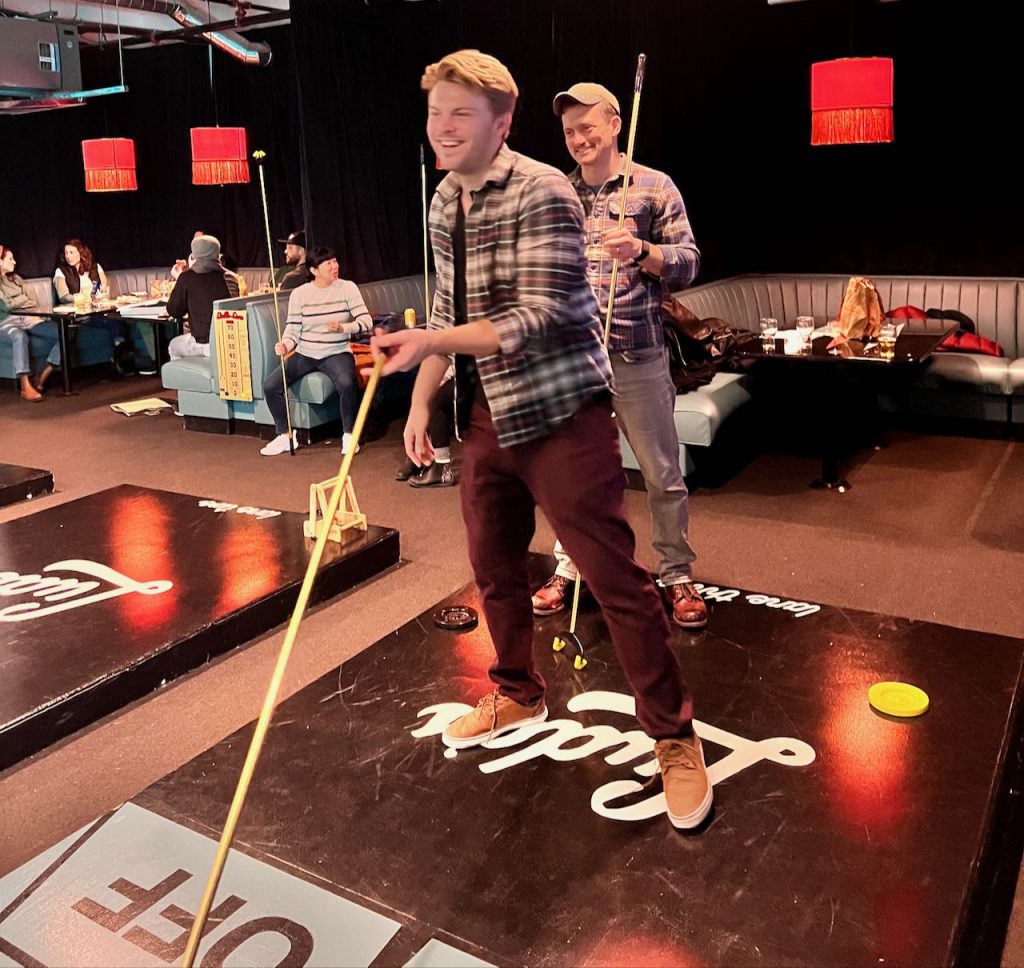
point(656, 251)
point(514, 306)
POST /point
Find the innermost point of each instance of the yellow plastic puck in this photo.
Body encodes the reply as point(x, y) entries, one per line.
point(898, 699)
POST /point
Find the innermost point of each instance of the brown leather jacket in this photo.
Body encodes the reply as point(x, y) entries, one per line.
point(699, 348)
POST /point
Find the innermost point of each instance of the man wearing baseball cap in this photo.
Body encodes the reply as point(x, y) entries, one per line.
point(656, 254)
point(294, 272)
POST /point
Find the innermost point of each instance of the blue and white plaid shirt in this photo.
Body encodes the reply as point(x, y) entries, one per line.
point(654, 212)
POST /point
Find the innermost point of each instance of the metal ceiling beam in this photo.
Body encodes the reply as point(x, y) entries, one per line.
point(148, 16)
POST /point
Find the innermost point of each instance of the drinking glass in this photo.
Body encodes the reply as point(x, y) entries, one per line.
point(805, 326)
point(769, 327)
point(887, 339)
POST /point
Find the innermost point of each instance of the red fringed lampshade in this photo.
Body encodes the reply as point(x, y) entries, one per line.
point(851, 101)
point(109, 165)
point(219, 156)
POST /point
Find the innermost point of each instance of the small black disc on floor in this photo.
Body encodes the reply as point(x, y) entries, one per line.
point(456, 618)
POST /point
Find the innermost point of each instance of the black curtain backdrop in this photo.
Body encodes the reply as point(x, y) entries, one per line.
point(725, 111)
point(44, 197)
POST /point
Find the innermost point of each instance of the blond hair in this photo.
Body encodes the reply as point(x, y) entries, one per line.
point(481, 72)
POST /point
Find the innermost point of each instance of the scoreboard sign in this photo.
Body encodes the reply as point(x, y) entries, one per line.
point(234, 376)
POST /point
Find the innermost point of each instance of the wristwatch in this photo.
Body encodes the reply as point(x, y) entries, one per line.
point(645, 251)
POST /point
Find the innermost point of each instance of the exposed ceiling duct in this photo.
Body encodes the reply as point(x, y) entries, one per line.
point(189, 13)
point(156, 21)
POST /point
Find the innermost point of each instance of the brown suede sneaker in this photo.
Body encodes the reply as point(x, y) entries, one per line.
point(688, 609)
point(550, 597)
point(494, 714)
point(685, 779)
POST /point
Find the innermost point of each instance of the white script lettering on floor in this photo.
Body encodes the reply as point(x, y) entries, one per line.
point(69, 592)
point(219, 507)
point(551, 738)
point(712, 593)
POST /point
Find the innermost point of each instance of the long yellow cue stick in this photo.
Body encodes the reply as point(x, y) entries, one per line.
point(641, 64)
point(270, 701)
point(426, 267)
point(259, 156)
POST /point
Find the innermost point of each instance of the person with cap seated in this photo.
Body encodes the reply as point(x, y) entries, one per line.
point(323, 317)
point(294, 272)
point(195, 291)
point(656, 253)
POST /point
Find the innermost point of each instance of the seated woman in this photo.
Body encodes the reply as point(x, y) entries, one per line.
point(15, 328)
point(196, 290)
point(78, 271)
point(323, 316)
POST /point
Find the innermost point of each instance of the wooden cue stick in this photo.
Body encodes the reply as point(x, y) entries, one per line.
point(641, 64)
point(270, 700)
point(259, 156)
point(426, 270)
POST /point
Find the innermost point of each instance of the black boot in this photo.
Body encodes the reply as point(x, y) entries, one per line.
point(407, 470)
point(436, 475)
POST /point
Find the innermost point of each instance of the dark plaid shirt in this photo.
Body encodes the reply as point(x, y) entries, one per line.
point(525, 272)
point(655, 212)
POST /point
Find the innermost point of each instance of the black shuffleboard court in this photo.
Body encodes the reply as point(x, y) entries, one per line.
point(23, 483)
point(105, 598)
point(840, 836)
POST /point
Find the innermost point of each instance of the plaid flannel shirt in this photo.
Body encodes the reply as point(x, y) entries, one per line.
point(654, 212)
point(526, 273)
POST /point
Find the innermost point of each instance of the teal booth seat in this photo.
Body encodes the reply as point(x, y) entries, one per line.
point(89, 345)
point(698, 416)
point(312, 400)
point(952, 384)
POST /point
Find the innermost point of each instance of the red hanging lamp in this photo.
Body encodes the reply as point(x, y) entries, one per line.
point(219, 156)
point(851, 101)
point(109, 165)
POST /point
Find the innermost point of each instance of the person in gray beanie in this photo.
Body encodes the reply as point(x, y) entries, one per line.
point(197, 288)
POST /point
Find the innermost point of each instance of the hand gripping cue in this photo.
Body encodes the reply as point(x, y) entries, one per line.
point(641, 66)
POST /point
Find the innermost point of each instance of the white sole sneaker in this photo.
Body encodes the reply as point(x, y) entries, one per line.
point(461, 743)
point(279, 445)
point(696, 817)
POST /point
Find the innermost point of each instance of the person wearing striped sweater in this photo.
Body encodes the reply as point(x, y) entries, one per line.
point(323, 317)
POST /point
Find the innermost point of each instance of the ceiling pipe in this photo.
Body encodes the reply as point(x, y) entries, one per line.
point(189, 14)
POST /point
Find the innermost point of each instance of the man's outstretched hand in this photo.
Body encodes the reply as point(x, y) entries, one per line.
point(404, 349)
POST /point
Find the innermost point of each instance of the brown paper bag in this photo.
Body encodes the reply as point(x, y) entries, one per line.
point(861, 315)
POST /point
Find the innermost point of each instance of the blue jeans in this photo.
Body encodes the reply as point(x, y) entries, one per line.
point(340, 369)
point(644, 403)
point(16, 329)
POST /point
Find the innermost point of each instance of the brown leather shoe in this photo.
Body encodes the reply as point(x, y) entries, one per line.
point(688, 795)
point(29, 392)
point(550, 597)
point(494, 714)
point(688, 609)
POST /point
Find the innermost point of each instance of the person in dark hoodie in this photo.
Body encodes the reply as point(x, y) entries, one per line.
point(196, 290)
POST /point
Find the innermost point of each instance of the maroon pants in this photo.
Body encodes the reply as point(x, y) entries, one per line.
point(575, 476)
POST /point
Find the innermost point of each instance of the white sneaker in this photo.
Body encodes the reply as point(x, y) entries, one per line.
point(279, 445)
point(346, 444)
